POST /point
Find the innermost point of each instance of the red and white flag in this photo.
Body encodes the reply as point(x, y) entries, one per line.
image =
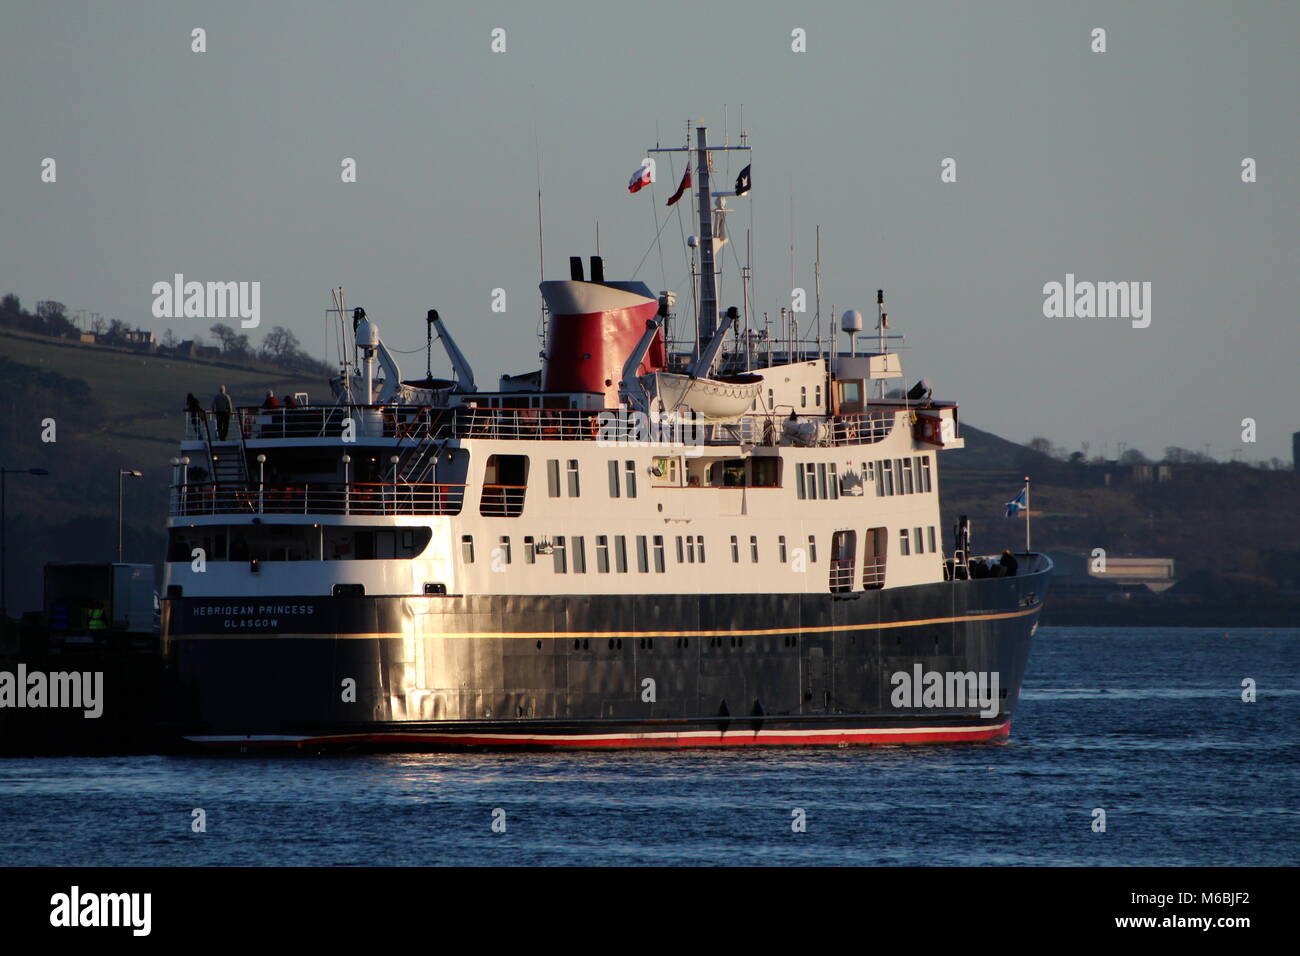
point(643, 177)
point(686, 184)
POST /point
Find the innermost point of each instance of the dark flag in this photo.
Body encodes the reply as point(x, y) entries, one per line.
point(742, 182)
point(686, 184)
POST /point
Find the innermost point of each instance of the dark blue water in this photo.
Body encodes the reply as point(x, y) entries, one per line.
point(1148, 725)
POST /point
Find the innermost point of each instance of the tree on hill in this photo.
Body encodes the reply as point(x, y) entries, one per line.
point(279, 345)
point(1185, 456)
point(1134, 457)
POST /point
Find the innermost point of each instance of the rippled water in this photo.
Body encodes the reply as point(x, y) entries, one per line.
point(1148, 725)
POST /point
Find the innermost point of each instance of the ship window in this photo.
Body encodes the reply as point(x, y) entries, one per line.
point(753, 548)
point(613, 479)
point(690, 549)
point(906, 464)
point(770, 400)
point(812, 548)
point(573, 478)
point(579, 555)
point(642, 554)
point(798, 482)
point(765, 472)
point(833, 483)
point(821, 480)
point(681, 551)
point(530, 550)
point(503, 546)
point(877, 554)
point(699, 546)
point(780, 548)
point(903, 546)
point(659, 553)
point(620, 554)
point(918, 541)
point(735, 550)
point(803, 396)
point(553, 477)
point(887, 481)
point(817, 401)
point(930, 538)
point(925, 474)
point(466, 548)
point(629, 468)
point(602, 553)
point(559, 556)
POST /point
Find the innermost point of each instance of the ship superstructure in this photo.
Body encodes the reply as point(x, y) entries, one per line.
point(732, 538)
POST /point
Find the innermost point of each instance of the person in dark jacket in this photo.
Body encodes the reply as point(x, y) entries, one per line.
point(289, 401)
point(195, 410)
point(1009, 564)
point(222, 406)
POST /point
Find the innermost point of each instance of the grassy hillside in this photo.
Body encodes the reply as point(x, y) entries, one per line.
point(127, 412)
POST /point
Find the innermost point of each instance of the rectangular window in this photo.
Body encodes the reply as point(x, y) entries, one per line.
point(681, 551)
point(798, 482)
point(908, 487)
point(699, 547)
point(753, 548)
point(930, 538)
point(620, 554)
point(629, 469)
point(642, 554)
point(780, 548)
point(920, 544)
point(553, 477)
point(925, 474)
point(467, 548)
point(735, 550)
point(579, 555)
point(803, 396)
point(888, 466)
point(504, 545)
point(833, 480)
point(613, 479)
point(690, 549)
point(530, 550)
point(602, 553)
point(573, 478)
point(821, 479)
point(557, 552)
point(812, 548)
point(659, 553)
point(903, 545)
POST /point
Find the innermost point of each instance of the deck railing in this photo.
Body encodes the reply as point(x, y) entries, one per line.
point(356, 498)
point(423, 423)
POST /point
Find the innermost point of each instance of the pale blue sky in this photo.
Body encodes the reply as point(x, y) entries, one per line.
point(1116, 166)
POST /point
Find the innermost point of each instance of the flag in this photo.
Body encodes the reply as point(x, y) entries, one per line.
point(1016, 504)
point(742, 182)
point(641, 178)
point(686, 184)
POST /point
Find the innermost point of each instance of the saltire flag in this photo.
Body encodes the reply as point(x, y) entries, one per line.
point(686, 184)
point(1016, 504)
point(641, 178)
point(742, 182)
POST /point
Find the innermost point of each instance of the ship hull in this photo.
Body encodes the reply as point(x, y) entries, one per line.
point(598, 671)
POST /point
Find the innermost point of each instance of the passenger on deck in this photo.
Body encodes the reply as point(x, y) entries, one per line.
point(222, 406)
point(289, 401)
point(1009, 563)
point(271, 400)
point(195, 410)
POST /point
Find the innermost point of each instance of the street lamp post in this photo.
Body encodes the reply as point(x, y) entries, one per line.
point(4, 555)
point(122, 473)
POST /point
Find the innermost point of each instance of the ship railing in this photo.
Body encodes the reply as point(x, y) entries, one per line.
point(422, 423)
point(502, 501)
point(841, 578)
point(873, 572)
point(356, 498)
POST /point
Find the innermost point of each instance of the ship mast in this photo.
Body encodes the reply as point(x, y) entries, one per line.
point(706, 320)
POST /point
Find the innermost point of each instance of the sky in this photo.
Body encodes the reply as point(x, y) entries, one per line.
point(1115, 166)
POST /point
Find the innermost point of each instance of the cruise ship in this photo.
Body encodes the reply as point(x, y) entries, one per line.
point(688, 528)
